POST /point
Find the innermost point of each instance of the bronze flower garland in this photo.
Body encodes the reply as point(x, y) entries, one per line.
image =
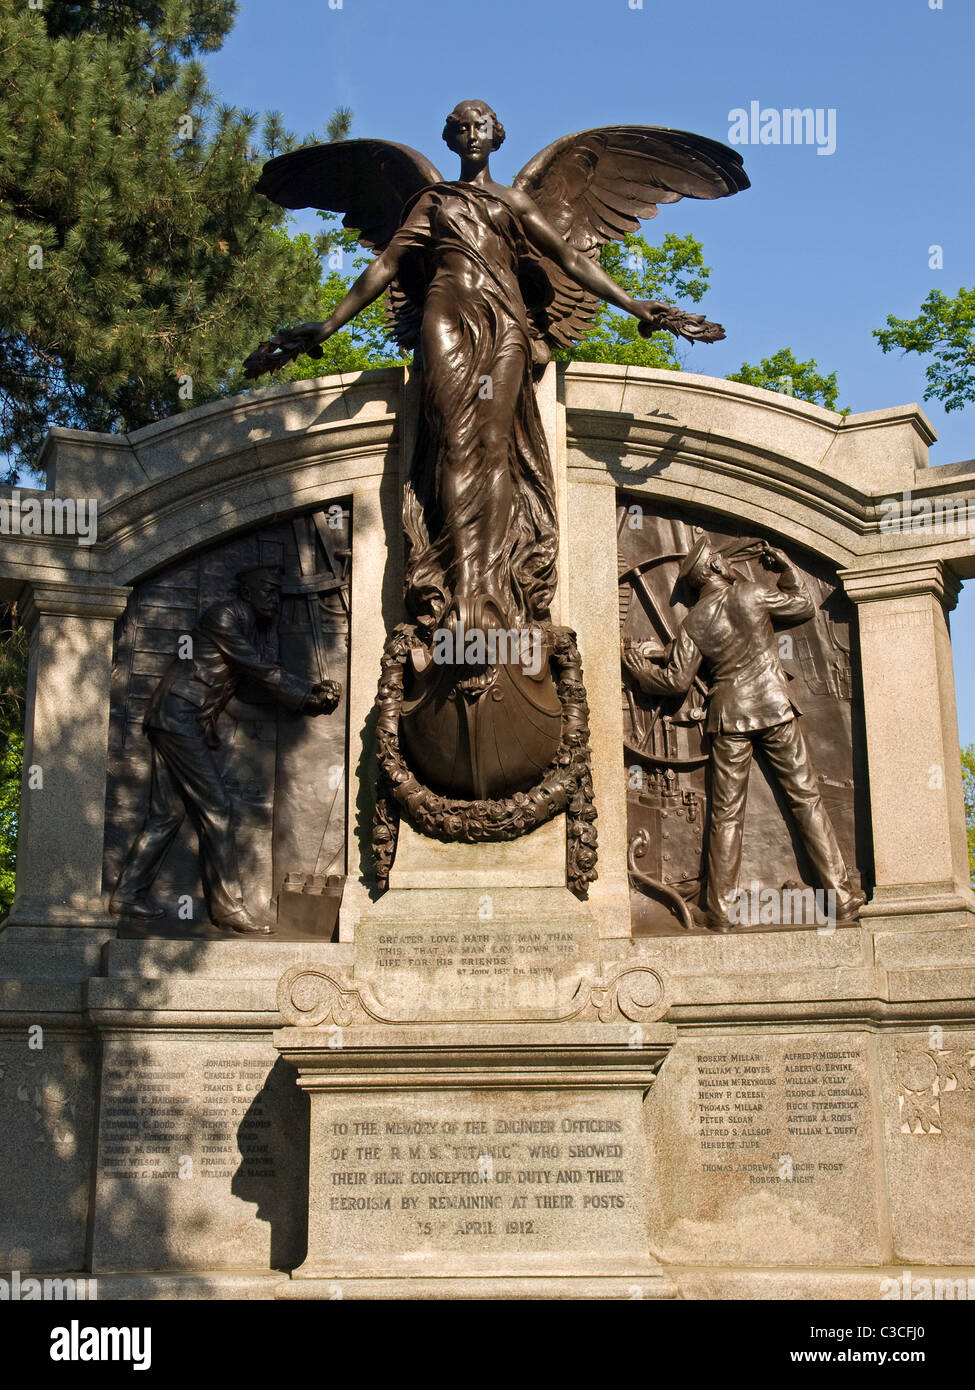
point(565, 786)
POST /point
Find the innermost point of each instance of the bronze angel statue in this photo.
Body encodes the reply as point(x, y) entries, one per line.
point(483, 280)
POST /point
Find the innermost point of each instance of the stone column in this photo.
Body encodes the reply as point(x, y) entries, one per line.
point(919, 840)
point(377, 605)
point(376, 576)
point(593, 610)
point(62, 809)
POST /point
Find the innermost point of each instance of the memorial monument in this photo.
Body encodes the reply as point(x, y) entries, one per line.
point(318, 983)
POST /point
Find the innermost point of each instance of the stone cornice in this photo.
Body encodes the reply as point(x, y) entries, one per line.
point(877, 583)
point(73, 600)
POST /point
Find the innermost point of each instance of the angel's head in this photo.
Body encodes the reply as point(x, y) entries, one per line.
point(473, 131)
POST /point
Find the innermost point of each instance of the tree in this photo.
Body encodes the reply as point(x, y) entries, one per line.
point(11, 762)
point(139, 269)
point(968, 789)
point(365, 342)
point(208, 22)
point(673, 270)
point(783, 372)
point(944, 330)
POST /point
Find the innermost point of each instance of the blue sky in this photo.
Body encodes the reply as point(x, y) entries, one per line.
point(813, 256)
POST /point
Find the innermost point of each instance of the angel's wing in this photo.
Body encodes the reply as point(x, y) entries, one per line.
point(596, 187)
point(370, 182)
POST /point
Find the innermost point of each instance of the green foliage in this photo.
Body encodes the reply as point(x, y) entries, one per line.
point(669, 272)
point(11, 762)
point(207, 23)
point(339, 124)
point(365, 342)
point(784, 373)
point(139, 269)
point(968, 788)
point(13, 670)
point(944, 330)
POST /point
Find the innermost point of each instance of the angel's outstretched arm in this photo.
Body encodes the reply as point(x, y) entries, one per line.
point(590, 275)
point(290, 343)
point(377, 275)
point(586, 273)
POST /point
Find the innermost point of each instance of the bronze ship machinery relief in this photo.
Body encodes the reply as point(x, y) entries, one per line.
point(665, 738)
point(728, 633)
point(482, 282)
point(658, 745)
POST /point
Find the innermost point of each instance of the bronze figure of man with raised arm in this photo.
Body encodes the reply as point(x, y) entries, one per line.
point(730, 630)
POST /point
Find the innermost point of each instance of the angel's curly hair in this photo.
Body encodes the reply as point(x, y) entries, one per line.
point(497, 129)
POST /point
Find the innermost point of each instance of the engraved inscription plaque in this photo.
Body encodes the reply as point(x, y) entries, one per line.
point(765, 1149)
point(194, 1142)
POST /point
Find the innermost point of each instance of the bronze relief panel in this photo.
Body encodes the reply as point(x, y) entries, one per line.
point(743, 744)
point(226, 796)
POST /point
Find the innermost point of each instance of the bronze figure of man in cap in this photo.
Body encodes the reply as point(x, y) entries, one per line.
point(730, 630)
point(233, 641)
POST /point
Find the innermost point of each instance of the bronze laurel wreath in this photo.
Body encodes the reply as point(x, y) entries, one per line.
point(565, 786)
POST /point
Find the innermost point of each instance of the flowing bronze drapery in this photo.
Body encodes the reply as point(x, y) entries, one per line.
point(479, 509)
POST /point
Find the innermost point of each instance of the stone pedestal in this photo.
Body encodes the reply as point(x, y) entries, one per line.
point(478, 1162)
point(533, 861)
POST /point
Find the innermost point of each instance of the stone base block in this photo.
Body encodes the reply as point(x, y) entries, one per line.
point(480, 1155)
point(890, 1283)
point(533, 861)
point(211, 1285)
point(919, 907)
point(464, 1287)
